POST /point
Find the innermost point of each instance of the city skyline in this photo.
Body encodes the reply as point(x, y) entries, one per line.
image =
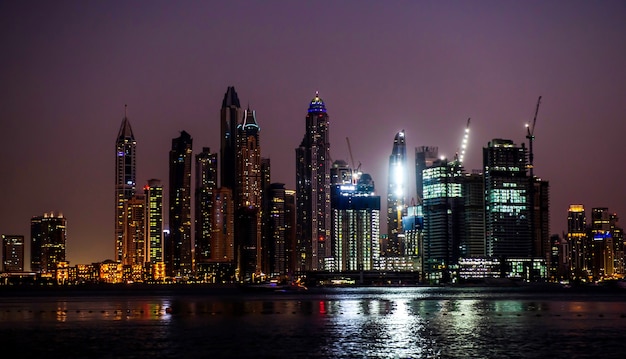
point(379, 68)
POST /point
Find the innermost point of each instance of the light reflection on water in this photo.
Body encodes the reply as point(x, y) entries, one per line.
point(342, 323)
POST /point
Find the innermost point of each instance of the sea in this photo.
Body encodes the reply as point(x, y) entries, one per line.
point(345, 322)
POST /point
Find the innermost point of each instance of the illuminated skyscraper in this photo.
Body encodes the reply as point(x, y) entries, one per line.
point(48, 240)
point(179, 261)
point(425, 156)
point(577, 242)
point(508, 232)
point(248, 202)
point(134, 248)
point(313, 190)
point(443, 208)
point(355, 220)
point(602, 247)
point(396, 195)
point(125, 179)
point(206, 185)
point(12, 253)
point(153, 193)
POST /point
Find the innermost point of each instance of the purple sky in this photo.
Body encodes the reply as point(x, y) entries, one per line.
point(68, 67)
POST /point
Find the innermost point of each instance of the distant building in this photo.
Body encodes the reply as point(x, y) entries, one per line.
point(134, 246)
point(12, 253)
point(397, 193)
point(48, 241)
point(578, 245)
point(179, 261)
point(313, 190)
point(125, 179)
point(206, 184)
point(153, 193)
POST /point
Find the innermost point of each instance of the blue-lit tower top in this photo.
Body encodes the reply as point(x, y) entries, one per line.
point(317, 104)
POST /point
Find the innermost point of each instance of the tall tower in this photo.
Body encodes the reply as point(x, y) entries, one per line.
point(396, 195)
point(577, 242)
point(506, 200)
point(153, 193)
point(206, 185)
point(48, 239)
point(425, 156)
point(444, 225)
point(179, 261)
point(355, 220)
point(125, 179)
point(230, 115)
point(248, 202)
point(134, 249)
point(313, 190)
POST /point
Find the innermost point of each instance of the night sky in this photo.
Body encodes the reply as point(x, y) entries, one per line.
point(67, 68)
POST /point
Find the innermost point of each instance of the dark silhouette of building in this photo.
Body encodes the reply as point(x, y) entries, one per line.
point(12, 253)
point(48, 241)
point(125, 179)
point(179, 260)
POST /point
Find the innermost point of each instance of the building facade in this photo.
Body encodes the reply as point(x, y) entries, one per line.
point(397, 193)
point(12, 253)
point(48, 241)
point(125, 179)
point(313, 190)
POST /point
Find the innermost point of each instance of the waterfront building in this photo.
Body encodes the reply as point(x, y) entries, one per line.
point(248, 201)
point(473, 236)
point(602, 246)
point(396, 196)
point(508, 232)
point(12, 253)
point(413, 225)
point(579, 248)
point(355, 225)
point(134, 245)
point(206, 185)
point(425, 156)
point(541, 220)
point(179, 259)
point(153, 192)
point(313, 190)
point(48, 241)
point(125, 179)
point(444, 219)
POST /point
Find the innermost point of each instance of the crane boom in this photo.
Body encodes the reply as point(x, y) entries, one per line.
point(464, 143)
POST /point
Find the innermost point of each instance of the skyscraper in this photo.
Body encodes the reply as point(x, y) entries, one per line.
point(125, 179)
point(506, 200)
point(313, 190)
point(577, 242)
point(48, 240)
point(179, 261)
point(12, 253)
point(230, 115)
point(355, 221)
point(134, 248)
point(206, 185)
point(443, 208)
point(153, 193)
point(425, 156)
point(396, 195)
point(248, 202)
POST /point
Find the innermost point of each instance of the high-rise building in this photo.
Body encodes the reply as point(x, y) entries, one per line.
point(396, 195)
point(577, 242)
point(230, 115)
point(425, 156)
point(444, 219)
point(134, 246)
point(223, 218)
point(473, 242)
point(355, 221)
point(12, 253)
point(48, 240)
point(125, 179)
point(508, 232)
point(179, 262)
point(206, 185)
point(281, 222)
point(602, 247)
point(153, 193)
point(541, 220)
point(248, 187)
point(313, 190)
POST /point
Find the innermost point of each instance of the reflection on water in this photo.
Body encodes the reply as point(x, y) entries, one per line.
point(342, 323)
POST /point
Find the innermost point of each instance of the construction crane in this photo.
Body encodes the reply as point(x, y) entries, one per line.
point(354, 171)
point(459, 158)
point(530, 135)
